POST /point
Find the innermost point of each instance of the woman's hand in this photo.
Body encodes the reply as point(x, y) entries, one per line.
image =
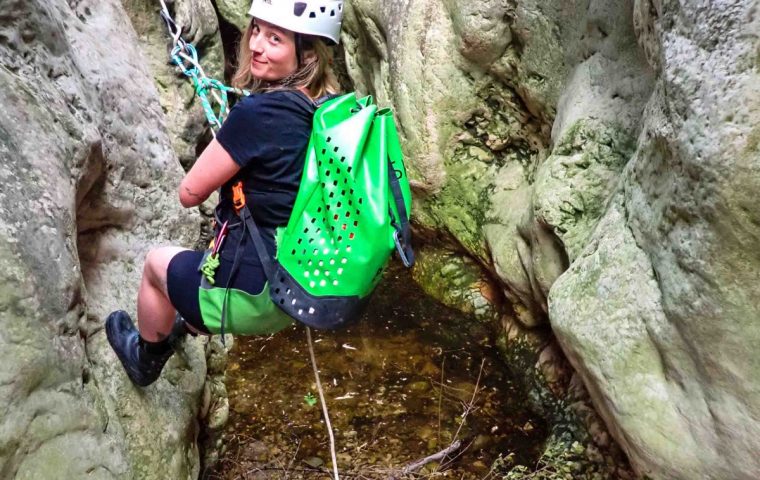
point(212, 169)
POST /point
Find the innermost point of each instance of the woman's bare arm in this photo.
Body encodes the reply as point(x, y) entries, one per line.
point(212, 169)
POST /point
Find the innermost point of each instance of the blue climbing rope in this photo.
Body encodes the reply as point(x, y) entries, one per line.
point(185, 56)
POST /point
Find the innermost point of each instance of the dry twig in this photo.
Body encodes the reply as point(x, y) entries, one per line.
point(471, 405)
point(292, 459)
point(468, 407)
point(324, 405)
point(440, 399)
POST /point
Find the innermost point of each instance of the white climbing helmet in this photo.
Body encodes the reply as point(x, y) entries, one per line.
point(312, 17)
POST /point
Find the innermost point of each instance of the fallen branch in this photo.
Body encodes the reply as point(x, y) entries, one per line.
point(440, 400)
point(413, 467)
point(299, 470)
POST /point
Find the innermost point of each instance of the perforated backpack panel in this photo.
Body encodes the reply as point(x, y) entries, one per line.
point(340, 234)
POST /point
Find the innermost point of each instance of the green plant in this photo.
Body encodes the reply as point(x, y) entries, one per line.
point(558, 462)
point(310, 399)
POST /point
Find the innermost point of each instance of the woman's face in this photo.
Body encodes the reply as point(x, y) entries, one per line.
point(273, 51)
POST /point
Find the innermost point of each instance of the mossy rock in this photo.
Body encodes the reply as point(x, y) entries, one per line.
point(456, 281)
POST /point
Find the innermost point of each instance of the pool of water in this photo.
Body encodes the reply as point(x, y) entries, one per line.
point(402, 384)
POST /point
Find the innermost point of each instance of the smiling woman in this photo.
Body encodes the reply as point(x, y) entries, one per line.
point(254, 160)
point(273, 51)
point(267, 50)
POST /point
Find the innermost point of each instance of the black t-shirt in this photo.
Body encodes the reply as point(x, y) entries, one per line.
point(267, 135)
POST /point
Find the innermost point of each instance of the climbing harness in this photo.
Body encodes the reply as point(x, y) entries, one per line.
point(185, 57)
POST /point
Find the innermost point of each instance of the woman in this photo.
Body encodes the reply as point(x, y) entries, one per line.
point(284, 60)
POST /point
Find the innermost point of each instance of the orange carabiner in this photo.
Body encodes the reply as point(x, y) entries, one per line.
point(238, 197)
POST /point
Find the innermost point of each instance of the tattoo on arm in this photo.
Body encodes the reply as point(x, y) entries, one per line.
point(191, 193)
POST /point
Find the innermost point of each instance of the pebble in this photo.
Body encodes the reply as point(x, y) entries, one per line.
point(420, 386)
point(314, 462)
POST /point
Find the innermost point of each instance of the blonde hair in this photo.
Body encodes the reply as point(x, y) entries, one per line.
point(315, 72)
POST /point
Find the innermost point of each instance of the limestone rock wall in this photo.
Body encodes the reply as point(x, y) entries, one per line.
point(185, 120)
point(88, 178)
point(596, 158)
point(476, 87)
point(658, 313)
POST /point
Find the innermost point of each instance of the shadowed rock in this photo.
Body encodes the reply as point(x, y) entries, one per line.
point(87, 178)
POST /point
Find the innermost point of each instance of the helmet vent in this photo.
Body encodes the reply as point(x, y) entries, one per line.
point(299, 8)
point(313, 15)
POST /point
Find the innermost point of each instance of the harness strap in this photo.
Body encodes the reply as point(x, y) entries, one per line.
point(326, 98)
point(233, 271)
point(299, 97)
point(267, 262)
point(218, 219)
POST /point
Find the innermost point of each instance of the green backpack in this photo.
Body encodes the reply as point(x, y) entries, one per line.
point(350, 214)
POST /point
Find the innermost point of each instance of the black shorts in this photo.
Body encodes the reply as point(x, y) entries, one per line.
point(183, 279)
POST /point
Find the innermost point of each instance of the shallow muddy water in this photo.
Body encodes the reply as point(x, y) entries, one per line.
point(397, 384)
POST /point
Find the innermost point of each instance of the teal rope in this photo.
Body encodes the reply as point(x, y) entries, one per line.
point(204, 85)
point(185, 56)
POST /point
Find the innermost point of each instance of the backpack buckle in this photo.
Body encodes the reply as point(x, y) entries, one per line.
point(406, 259)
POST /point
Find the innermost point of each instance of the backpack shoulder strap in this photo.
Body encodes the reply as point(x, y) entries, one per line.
point(326, 98)
point(403, 234)
point(301, 99)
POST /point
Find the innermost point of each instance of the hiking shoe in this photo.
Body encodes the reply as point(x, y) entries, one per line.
point(142, 367)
